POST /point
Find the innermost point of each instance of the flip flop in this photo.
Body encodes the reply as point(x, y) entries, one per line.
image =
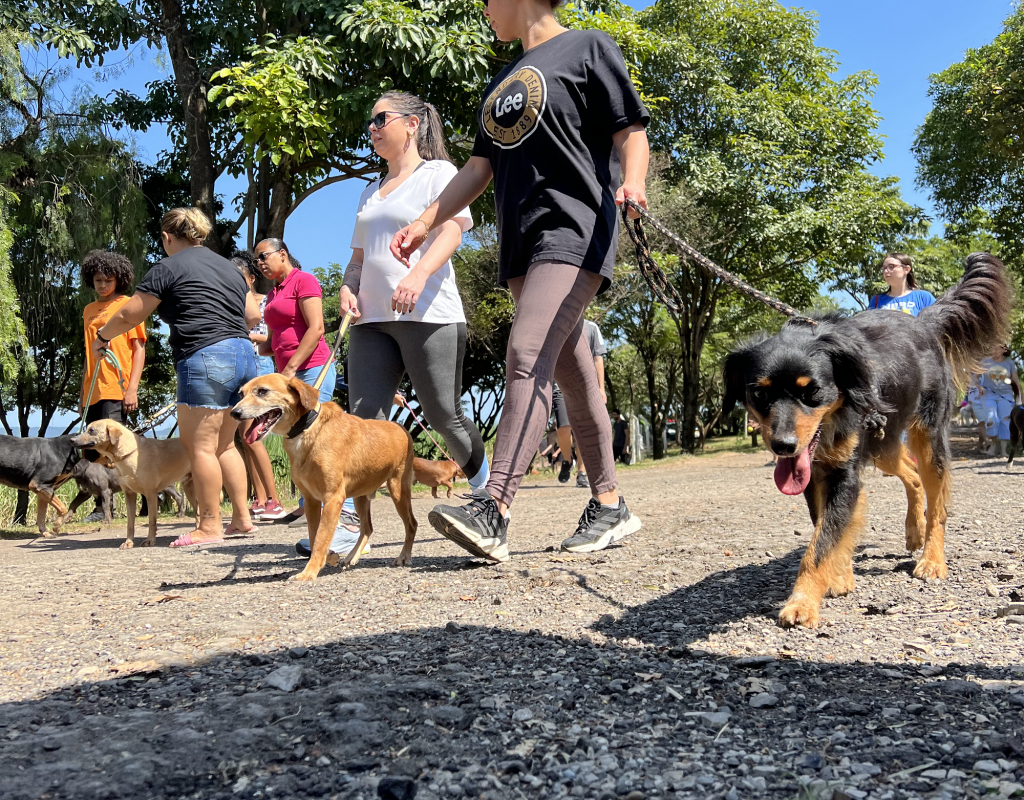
point(185, 540)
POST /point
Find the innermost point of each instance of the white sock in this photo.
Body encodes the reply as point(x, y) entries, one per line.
point(613, 506)
point(479, 481)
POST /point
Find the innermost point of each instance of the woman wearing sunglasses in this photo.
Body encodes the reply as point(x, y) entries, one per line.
point(556, 128)
point(408, 321)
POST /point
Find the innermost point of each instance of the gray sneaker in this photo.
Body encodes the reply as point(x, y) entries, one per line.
point(344, 539)
point(477, 527)
point(600, 526)
point(582, 481)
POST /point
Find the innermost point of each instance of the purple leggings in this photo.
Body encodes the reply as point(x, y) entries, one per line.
point(546, 344)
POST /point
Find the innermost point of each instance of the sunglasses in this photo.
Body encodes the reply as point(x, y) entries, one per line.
point(267, 254)
point(381, 120)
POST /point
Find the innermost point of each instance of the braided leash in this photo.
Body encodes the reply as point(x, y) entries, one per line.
point(659, 282)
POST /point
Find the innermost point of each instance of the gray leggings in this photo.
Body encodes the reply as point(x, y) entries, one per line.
point(380, 353)
point(547, 342)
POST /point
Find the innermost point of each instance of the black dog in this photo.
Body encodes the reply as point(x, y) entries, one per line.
point(1016, 432)
point(96, 480)
point(40, 466)
point(835, 397)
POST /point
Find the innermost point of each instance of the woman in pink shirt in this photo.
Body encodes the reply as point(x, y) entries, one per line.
point(294, 316)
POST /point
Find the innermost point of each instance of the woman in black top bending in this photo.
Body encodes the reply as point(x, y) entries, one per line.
point(555, 129)
point(209, 308)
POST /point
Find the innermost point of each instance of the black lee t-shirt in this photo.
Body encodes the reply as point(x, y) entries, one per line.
point(202, 299)
point(546, 126)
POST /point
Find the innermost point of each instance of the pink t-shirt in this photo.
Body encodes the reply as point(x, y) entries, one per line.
point(283, 316)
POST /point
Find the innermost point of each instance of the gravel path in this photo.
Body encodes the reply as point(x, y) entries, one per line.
point(653, 669)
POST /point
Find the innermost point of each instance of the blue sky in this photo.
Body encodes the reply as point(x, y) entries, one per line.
point(901, 41)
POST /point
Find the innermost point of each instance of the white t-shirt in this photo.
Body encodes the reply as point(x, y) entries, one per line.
point(377, 221)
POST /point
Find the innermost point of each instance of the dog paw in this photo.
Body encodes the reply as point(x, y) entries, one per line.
point(403, 560)
point(127, 545)
point(333, 559)
point(800, 612)
point(148, 543)
point(927, 568)
point(303, 576)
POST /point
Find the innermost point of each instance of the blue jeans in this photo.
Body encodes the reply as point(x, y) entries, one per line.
point(212, 376)
point(264, 366)
point(327, 387)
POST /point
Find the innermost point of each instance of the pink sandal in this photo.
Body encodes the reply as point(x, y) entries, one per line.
point(185, 540)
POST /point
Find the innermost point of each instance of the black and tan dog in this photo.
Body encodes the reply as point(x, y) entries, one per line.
point(40, 466)
point(333, 456)
point(835, 397)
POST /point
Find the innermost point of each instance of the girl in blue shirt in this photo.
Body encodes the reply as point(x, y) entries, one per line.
point(903, 294)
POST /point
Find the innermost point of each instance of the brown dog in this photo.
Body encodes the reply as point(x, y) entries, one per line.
point(436, 473)
point(333, 455)
point(144, 466)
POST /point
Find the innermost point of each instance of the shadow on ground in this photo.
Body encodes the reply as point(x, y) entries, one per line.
point(486, 712)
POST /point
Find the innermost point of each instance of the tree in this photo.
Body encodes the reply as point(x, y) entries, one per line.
point(970, 149)
point(769, 158)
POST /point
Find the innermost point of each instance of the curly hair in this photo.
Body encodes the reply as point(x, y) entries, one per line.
point(246, 262)
point(111, 265)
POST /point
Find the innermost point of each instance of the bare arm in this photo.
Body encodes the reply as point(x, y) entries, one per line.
point(266, 347)
point(635, 157)
point(312, 309)
point(131, 393)
point(463, 189)
point(252, 310)
point(411, 286)
point(599, 366)
point(135, 311)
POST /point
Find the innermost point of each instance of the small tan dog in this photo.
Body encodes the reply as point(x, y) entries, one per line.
point(144, 466)
point(436, 473)
point(333, 455)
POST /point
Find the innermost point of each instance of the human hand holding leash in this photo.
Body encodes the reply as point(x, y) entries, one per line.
point(348, 303)
point(635, 192)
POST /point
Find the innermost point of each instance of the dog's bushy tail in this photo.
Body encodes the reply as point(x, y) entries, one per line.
point(974, 316)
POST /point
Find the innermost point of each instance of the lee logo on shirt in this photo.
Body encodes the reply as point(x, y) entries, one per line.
point(514, 108)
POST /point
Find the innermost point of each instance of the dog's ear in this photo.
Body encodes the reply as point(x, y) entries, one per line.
point(308, 396)
point(853, 375)
point(736, 375)
point(113, 436)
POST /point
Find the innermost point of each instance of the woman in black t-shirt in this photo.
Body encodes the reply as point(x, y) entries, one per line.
point(556, 129)
point(207, 304)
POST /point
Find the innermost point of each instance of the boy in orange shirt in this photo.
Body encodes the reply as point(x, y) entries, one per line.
point(111, 275)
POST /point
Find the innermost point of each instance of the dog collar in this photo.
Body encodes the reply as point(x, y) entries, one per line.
point(303, 423)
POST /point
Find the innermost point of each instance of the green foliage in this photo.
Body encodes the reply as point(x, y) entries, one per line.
point(970, 148)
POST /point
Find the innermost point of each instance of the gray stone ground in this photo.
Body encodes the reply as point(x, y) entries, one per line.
point(653, 669)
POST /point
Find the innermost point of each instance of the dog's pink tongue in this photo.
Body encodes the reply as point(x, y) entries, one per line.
point(252, 434)
point(793, 474)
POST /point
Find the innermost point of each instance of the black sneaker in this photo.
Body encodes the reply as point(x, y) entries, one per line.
point(477, 527)
point(582, 481)
point(600, 526)
point(563, 473)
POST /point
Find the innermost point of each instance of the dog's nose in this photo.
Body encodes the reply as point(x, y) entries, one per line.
point(236, 414)
point(784, 445)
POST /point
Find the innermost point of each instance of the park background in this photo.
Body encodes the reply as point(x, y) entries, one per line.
point(794, 146)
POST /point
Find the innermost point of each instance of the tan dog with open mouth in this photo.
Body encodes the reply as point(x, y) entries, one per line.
point(333, 455)
point(144, 466)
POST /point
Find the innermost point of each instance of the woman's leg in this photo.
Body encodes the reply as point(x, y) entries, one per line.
point(263, 473)
point(250, 468)
point(550, 301)
point(433, 356)
point(233, 471)
point(200, 433)
point(375, 369)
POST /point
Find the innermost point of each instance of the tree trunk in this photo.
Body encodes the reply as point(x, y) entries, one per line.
point(192, 93)
point(657, 413)
point(280, 200)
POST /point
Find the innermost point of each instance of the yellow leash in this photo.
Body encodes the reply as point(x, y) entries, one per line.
point(349, 316)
